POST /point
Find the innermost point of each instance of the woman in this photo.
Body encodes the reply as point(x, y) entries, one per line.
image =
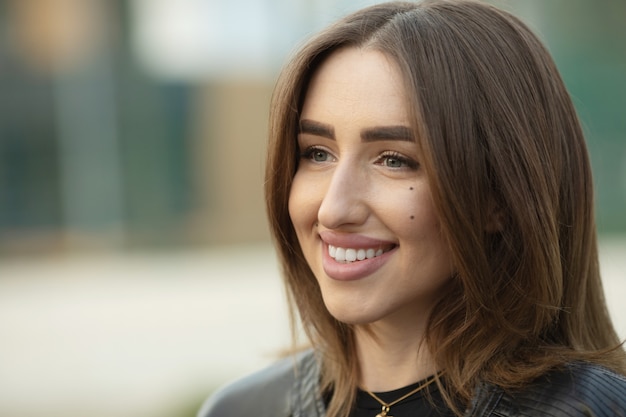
point(429, 191)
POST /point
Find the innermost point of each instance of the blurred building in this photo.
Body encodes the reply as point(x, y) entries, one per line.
point(142, 123)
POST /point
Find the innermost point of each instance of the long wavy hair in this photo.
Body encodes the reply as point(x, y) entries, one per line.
point(511, 180)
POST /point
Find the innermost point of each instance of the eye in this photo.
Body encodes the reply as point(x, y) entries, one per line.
point(393, 162)
point(396, 161)
point(316, 154)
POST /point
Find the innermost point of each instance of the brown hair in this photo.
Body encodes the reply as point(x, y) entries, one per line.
point(510, 178)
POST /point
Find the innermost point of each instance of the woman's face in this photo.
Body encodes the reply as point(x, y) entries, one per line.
point(360, 201)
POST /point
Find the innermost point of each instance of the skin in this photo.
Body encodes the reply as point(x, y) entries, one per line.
point(359, 185)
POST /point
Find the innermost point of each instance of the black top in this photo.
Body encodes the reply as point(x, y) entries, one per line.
point(424, 403)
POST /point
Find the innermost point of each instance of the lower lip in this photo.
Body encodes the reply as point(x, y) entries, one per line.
point(352, 271)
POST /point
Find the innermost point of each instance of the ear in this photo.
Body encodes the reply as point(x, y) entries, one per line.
point(495, 217)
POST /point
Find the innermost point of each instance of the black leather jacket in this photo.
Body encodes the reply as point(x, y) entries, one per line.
point(289, 389)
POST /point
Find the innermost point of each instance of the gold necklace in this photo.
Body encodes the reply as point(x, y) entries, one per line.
point(387, 407)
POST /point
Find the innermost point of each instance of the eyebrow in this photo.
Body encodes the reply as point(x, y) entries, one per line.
point(316, 128)
point(372, 134)
point(379, 133)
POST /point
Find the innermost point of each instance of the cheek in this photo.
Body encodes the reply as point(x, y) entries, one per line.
point(302, 204)
point(294, 202)
point(406, 209)
point(421, 229)
point(414, 216)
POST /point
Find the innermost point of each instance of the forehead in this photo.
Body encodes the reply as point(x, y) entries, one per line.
point(361, 81)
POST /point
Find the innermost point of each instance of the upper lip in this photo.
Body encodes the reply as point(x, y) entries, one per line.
point(352, 240)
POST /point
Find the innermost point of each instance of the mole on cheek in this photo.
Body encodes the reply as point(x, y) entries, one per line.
point(410, 188)
point(412, 217)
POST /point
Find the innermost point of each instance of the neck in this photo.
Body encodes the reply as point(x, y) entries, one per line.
point(391, 357)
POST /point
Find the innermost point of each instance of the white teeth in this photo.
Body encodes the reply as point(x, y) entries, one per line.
point(351, 255)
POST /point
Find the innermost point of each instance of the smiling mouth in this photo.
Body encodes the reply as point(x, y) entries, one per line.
point(348, 255)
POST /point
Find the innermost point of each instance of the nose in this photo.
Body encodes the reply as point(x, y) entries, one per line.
point(344, 200)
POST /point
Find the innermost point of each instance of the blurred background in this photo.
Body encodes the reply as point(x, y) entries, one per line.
point(136, 272)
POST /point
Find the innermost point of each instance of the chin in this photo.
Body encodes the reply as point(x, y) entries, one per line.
point(351, 315)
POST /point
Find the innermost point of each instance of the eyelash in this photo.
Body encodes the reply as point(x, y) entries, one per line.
point(407, 163)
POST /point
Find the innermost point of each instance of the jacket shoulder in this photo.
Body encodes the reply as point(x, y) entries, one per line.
point(264, 393)
point(578, 390)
